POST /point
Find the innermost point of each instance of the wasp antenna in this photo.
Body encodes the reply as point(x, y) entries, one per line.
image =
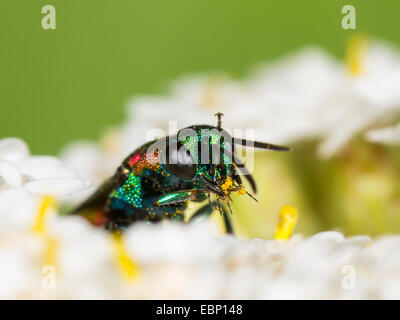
point(246, 174)
point(219, 116)
point(243, 170)
point(251, 196)
point(260, 145)
point(252, 182)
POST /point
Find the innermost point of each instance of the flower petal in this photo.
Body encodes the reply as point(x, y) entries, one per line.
point(9, 173)
point(58, 187)
point(13, 149)
point(44, 167)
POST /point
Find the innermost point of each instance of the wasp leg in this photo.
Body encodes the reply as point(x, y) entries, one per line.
point(180, 196)
point(207, 209)
point(117, 222)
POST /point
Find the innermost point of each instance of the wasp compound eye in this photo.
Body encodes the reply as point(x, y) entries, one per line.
point(181, 163)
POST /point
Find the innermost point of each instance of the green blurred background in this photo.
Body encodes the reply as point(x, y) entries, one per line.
point(72, 82)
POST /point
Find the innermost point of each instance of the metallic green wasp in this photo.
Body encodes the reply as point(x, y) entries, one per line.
point(158, 180)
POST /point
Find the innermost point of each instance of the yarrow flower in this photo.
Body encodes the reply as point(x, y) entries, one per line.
point(78, 261)
point(45, 255)
point(25, 178)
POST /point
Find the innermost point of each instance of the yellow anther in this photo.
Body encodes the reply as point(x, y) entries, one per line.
point(210, 95)
point(39, 228)
point(227, 184)
point(51, 251)
point(287, 222)
point(127, 268)
point(242, 191)
point(356, 47)
point(39, 225)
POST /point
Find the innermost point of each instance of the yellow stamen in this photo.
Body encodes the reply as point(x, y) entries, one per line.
point(287, 222)
point(210, 95)
point(242, 191)
point(51, 251)
point(356, 47)
point(39, 225)
point(227, 184)
point(127, 268)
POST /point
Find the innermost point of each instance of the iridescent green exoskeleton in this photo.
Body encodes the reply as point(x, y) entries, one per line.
point(158, 180)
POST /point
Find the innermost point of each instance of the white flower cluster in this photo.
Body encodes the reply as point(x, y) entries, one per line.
point(44, 255)
point(24, 178)
point(195, 262)
point(308, 95)
point(198, 263)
